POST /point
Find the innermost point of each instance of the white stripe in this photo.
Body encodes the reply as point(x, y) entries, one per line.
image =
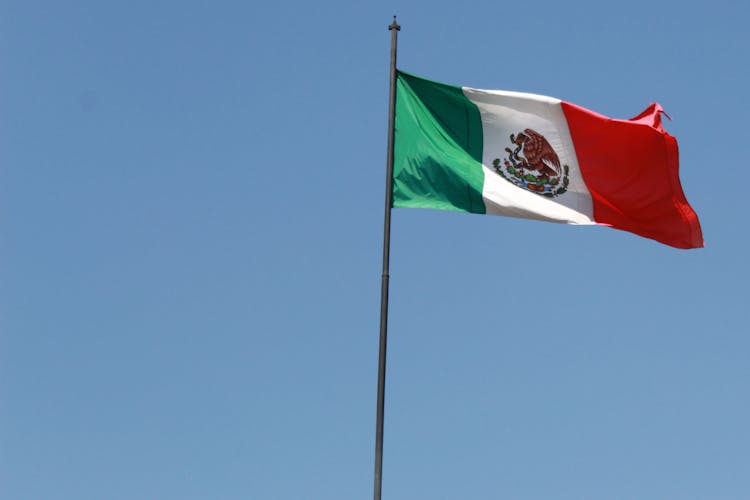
point(505, 113)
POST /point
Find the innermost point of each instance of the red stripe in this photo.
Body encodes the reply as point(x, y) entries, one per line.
point(631, 168)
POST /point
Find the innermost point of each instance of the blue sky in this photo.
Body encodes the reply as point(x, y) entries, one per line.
point(190, 246)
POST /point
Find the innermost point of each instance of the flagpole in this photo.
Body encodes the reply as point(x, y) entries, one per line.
point(394, 28)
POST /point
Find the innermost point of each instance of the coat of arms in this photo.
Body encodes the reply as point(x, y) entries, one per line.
point(533, 165)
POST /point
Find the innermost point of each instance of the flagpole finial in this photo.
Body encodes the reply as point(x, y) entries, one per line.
point(394, 25)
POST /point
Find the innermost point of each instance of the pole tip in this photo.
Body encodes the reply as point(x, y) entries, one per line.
point(394, 25)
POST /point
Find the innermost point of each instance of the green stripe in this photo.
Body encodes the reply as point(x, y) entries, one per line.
point(438, 147)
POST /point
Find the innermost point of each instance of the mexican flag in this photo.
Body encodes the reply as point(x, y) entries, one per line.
point(536, 157)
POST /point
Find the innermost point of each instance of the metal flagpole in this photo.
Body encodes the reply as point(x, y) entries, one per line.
point(394, 28)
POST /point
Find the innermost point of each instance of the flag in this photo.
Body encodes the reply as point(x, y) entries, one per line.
point(536, 157)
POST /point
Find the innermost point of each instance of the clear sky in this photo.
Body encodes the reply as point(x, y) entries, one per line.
point(191, 198)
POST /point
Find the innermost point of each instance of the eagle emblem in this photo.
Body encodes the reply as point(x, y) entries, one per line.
point(533, 165)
